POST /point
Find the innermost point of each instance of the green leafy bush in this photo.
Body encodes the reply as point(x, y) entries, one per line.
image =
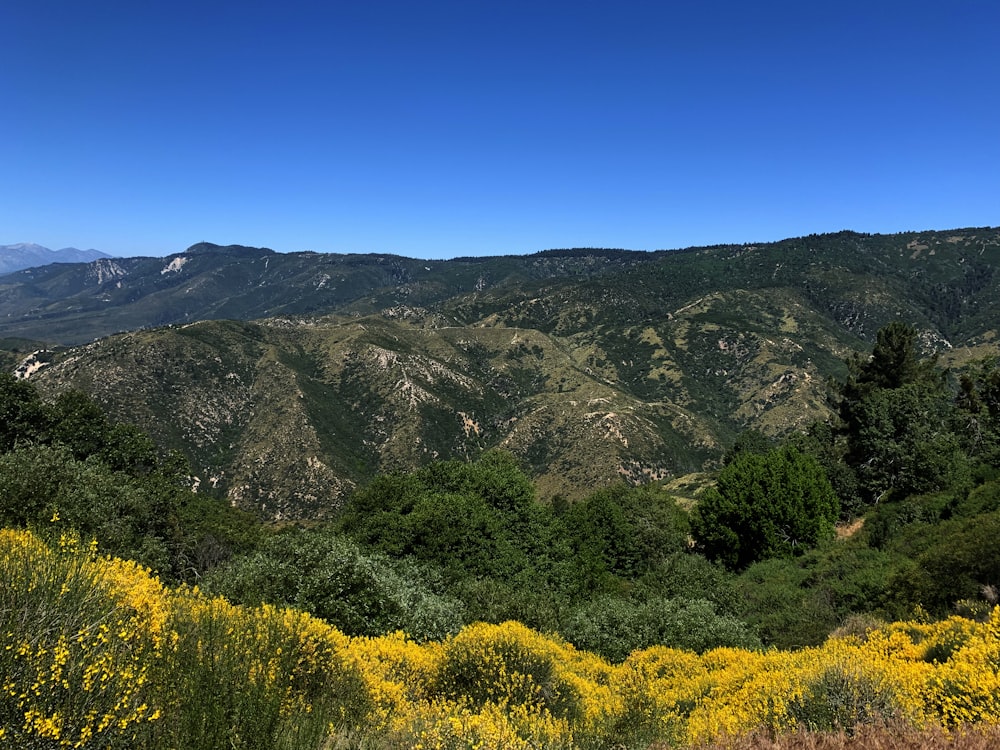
point(330, 576)
point(615, 627)
point(775, 504)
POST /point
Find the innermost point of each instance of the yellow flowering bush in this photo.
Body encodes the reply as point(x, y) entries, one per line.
point(398, 675)
point(966, 688)
point(742, 690)
point(549, 692)
point(97, 653)
point(507, 664)
point(447, 725)
point(273, 676)
point(654, 692)
point(76, 645)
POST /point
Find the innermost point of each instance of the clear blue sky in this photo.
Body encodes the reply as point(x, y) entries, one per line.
point(435, 129)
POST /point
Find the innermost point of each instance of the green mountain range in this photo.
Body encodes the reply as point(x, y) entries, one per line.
point(289, 379)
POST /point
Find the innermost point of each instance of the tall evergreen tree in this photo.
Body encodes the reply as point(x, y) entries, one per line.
point(899, 419)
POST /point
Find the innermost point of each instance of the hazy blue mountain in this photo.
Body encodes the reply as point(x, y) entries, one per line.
point(28, 255)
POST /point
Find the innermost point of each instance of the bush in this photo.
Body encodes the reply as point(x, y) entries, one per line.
point(79, 639)
point(97, 653)
point(774, 601)
point(328, 575)
point(615, 627)
point(842, 699)
point(777, 504)
point(689, 576)
point(506, 664)
point(252, 679)
point(962, 556)
point(128, 516)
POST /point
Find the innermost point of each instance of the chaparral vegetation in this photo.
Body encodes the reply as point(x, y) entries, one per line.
point(834, 586)
point(98, 652)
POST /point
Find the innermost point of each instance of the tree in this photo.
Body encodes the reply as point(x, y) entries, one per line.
point(903, 442)
point(894, 360)
point(824, 441)
point(625, 531)
point(79, 424)
point(978, 404)
point(749, 441)
point(23, 416)
point(898, 418)
point(775, 504)
point(477, 519)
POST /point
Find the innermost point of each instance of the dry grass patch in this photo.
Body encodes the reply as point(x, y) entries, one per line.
point(867, 738)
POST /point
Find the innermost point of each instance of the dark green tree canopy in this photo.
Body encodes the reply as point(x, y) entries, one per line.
point(749, 441)
point(895, 361)
point(75, 421)
point(899, 419)
point(775, 504)
point(23, 416)
point(470, 518)
point(626, 531)
point(978, 404)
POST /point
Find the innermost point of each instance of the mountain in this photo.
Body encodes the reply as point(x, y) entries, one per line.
point(76, 303)
point(28, 255)
point(589, 365)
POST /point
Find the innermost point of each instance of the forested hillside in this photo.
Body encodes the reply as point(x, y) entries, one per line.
point(855, 516)
point(766, 606)
point(588, 366)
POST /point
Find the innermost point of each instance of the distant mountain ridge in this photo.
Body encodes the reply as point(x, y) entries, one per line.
point(29, 255)
point(70, 304)
point(288, 379)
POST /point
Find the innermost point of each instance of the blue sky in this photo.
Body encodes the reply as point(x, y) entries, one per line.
point(437, 129)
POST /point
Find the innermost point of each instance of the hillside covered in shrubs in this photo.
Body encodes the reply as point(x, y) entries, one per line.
point(843, 576)
point(113, 658)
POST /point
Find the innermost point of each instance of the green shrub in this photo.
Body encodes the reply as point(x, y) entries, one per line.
point(330, 576)
point(615, 627)
point(842, 699)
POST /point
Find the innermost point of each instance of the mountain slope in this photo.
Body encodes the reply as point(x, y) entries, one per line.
point(286, 416)
point(590, 366)
point(77, 303)
point(946, 280)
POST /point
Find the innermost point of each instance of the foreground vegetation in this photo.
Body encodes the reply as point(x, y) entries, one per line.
point(448, 607)
point(98, 653)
